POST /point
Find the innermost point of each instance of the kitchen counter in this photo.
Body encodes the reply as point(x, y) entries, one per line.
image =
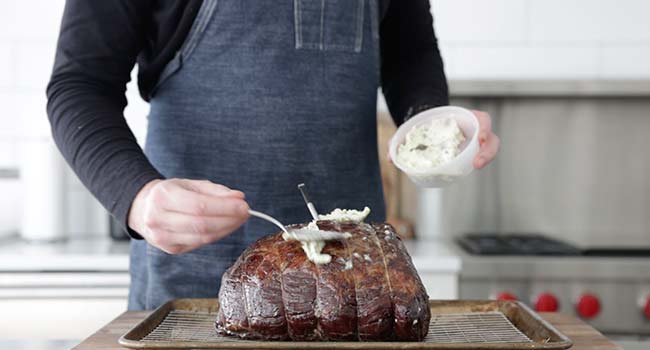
point(47, 289)
point(584, 337)
point(24, 344)
point(434, 255)
point(97, 267)
point(106, 255)
point(549, 88)
point(77, 254)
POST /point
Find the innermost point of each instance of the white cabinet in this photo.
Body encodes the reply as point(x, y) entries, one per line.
point(440, 285)
point(66, 318)
point(58, 305)
point(438, 265)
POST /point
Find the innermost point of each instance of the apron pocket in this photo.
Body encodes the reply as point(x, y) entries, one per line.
point(335, 25)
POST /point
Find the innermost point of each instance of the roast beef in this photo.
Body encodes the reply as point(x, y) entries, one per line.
point(370, 291)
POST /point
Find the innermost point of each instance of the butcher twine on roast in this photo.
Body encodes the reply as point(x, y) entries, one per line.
point(370, 291)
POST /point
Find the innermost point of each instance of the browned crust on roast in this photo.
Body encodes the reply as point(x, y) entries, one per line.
point(274, 292)
point(254, 281)
point(231, 317)
point(336, 300)
point(263, 291)
point(374, 308)
point(410, 299)
point(299, 280)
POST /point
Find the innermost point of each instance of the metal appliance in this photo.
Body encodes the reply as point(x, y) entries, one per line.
point(606, 285)
point(10, 202)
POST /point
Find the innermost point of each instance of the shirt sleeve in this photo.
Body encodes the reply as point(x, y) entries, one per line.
point(412, 73)
point(97, 48)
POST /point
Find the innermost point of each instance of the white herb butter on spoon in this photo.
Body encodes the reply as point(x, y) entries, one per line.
point(313, 248)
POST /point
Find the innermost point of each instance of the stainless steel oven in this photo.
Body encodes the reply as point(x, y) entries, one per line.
point(607, 287)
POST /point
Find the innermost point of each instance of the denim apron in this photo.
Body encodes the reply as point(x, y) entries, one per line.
point(262, 96)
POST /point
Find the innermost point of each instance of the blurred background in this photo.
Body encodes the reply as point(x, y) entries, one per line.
point(566, 82)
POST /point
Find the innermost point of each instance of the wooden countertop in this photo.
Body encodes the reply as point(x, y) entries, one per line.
point(584, 336)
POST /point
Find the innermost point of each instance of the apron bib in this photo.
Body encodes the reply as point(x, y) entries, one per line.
point(262, 96)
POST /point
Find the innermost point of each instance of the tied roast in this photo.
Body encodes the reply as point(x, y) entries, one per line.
point(370, 291)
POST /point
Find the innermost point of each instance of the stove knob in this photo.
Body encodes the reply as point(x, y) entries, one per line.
point(546, 302)
point(506, 296)
point(645, 307)
point(588, 306)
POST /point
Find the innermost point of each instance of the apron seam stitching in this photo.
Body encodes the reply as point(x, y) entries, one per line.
point(199, 29)
point(322, 21)
point(360, 19)
point(297, 14)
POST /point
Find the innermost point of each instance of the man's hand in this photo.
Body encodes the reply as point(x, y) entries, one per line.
point(487, 140)
point(179, 215)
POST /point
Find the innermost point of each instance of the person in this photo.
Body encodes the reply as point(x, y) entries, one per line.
point(247, 99)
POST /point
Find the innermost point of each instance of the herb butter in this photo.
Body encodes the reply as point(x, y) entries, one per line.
point(313, 249)
point(431, 145)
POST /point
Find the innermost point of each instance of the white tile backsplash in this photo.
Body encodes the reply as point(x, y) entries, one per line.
point(34, 62)
point(6, 65)
point(556, 39)
point(524, 63)
point(11, 125)
point(8, 159)
point(593, 21)
point(10, 205)
point(449, 60)
point(626, 22)
point(480, 21)
point(7, 19)
point(30, 114)
point(72, 181)
point(37, 19)
point(568, 20)
point(85, 216)
point(625, 62)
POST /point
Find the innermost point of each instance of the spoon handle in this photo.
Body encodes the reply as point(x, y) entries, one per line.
point(310, 205)
point(268, 218)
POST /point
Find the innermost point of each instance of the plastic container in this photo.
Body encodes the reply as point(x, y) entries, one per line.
point(458, 167)
point(42, 172)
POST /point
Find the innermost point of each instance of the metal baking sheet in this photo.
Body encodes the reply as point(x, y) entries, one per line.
point(474, 325)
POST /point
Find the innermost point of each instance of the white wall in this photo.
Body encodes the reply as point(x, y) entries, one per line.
point(544, 39)
point(480, 39)
point(28, 33)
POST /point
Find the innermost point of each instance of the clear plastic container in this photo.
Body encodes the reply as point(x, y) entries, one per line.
point(460, 166)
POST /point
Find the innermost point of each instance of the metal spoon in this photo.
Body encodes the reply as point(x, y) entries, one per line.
point(268, 218)
point(310, 205)
point(303, 234)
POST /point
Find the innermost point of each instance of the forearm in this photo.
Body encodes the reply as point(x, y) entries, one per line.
point(94, 138)
point(415, 86)
point(97, 48)
point(413, 77)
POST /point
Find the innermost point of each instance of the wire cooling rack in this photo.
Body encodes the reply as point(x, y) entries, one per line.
point(475, 327)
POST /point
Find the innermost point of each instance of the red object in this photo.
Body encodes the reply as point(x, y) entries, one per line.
point(588, 306)
point(506, 296)
point(646, 308)
point(546, 302)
